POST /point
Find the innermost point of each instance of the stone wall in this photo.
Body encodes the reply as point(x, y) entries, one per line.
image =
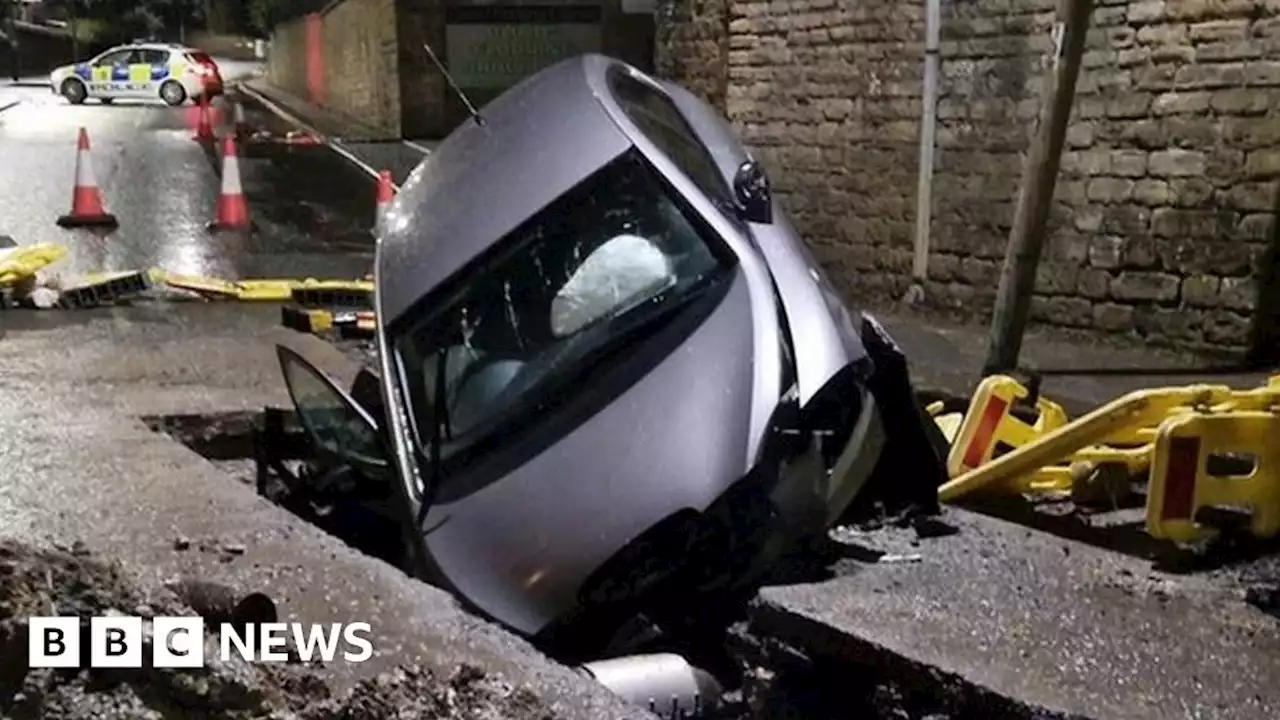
point(1167, 194)
point(361, 70)
point(351, 59)
point(287, 58)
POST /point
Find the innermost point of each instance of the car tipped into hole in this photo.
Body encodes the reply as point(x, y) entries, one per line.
point(614, 383)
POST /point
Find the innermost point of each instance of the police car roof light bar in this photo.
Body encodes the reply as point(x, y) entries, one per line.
point(475, 114)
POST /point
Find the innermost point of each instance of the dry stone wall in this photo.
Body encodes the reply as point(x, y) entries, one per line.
point(1166, 201)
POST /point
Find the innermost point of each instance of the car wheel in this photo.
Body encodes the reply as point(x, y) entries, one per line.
point(172, 93)
point(74, 91)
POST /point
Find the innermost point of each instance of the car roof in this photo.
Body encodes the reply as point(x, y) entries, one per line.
point(147, 46)
point(539, 139)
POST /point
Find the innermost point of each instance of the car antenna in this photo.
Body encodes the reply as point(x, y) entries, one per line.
point(475, 114)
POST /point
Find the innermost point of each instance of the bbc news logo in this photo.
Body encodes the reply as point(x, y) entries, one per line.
point(178, 642)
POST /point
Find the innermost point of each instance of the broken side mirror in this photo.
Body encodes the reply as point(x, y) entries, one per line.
point(752, 193)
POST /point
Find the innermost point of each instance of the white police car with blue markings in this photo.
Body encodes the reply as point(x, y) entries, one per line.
point(139, 71)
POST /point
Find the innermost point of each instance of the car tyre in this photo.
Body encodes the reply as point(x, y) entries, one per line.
point(74, 91)
point(172, 93)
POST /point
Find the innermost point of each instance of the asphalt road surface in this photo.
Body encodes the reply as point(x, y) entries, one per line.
point(311, 211)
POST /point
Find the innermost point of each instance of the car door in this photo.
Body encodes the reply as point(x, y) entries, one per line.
point(339, 428)
point(106, 68)
point(149, 69)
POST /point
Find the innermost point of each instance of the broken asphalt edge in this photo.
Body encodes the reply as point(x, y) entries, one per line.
point(822, 643)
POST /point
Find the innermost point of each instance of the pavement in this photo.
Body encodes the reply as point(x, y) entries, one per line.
point(948, 356)
point(345, 136)
point(81, 465)
point(1039, 611)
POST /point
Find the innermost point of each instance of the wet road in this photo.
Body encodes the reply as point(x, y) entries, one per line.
point(311, 210)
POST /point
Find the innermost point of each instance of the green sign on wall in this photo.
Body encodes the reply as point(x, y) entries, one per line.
point(496, 56)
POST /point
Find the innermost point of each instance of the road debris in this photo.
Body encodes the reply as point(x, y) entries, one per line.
point(42, 581)
point(1201, 451)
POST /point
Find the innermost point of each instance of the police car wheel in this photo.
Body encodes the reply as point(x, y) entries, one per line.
point(172, 93)
point(74, 91)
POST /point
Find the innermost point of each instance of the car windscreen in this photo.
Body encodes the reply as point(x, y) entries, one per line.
point(565, 292)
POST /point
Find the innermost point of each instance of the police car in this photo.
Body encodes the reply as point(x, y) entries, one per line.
point(137, 71)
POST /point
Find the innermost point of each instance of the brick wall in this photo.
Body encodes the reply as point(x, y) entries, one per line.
point(692, 44)
point(349, 60)
point(361, 73)
point(1167, 195)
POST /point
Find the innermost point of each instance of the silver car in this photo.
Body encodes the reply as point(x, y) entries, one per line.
point(614, 382)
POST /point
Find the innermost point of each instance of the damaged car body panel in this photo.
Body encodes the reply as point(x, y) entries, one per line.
point(614, 381)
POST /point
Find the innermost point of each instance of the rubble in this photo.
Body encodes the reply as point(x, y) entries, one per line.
point(58, 581)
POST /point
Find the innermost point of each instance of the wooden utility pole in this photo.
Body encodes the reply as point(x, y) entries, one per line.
point(1026, 239)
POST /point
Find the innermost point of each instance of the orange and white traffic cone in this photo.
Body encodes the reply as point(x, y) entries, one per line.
point(87, 208)
point(233, 210)
point(204, 127)
point(386, 193)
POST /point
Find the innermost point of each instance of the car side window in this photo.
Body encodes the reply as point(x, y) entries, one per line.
point(119, 57)
point(155, 57)
point(660, 120)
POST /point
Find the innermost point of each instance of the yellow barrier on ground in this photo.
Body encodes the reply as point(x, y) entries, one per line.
point(99, 289)
point(17, 264)
point(207, 286)
point(990, 423)
point(1209, 453)
point(1117, 419)
point(307, 321)
point(265, 289)
point(334, 293)
point(1183, 480)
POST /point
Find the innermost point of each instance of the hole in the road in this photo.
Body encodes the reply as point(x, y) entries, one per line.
point(763, 679)
point(332, 499)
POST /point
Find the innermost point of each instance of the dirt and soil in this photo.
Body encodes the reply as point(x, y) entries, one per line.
point(70, 581)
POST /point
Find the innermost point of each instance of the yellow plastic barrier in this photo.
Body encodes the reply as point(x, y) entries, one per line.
point(1181, 482)
point(1123, 416)
point(266, 289)
point(990, 423)
point(98, 289)
point(207, 286)
point(17, 264)
point(306, 321)
point(949, 424)
point(334, 293)
point(1063, 475)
